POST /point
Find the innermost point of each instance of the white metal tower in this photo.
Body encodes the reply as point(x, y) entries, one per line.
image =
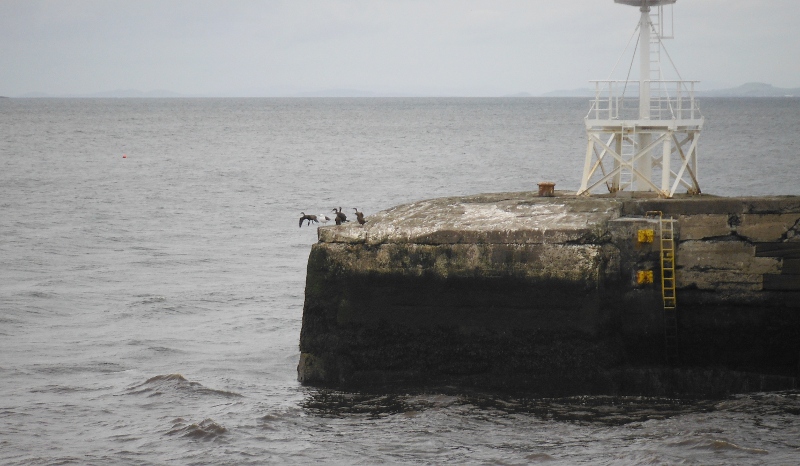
point(642, 134)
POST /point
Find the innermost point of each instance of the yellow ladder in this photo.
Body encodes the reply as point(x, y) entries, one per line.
point(666, 229)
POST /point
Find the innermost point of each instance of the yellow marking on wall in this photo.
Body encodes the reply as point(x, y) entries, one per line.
point(643, 277)
point(646, 236)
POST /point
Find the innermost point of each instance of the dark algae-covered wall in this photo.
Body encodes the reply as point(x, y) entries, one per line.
point(544, 295)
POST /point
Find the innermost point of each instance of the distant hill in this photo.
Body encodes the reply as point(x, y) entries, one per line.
point(745, 90)
point(336, 93)
point(118, 93)
point(35, 94)
point(582, 92)
point(127, 93)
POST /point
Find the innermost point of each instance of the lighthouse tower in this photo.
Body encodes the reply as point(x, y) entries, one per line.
point(642, 133)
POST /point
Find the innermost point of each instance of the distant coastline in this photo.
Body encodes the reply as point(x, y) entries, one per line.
point(753, 89)
point(745, 90)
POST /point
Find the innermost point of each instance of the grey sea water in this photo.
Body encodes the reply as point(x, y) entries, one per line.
point(150, 306)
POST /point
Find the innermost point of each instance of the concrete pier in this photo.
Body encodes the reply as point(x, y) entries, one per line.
point(544, 295)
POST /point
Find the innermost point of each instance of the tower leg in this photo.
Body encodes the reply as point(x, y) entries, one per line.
point(696, 176)
point(587, 166)
point(643, 164)
point(666, 154)
point(615, 181)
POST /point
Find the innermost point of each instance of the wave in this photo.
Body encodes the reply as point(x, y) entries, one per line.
point(719, 445)
point(208, 429)
point(157, 306)
point(64, 389)
point(151, 299)
point(276, 420)
point(165, 349)
point(176, 383)
point(95, 367)
point(41, 294)
point(764, 404)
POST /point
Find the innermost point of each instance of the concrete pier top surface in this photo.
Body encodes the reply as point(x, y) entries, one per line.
point(526, 218)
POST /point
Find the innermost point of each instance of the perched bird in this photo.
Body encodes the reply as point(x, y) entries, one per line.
point(322, 218)
point(340, 216)
point(360, 216)
point(310, 218)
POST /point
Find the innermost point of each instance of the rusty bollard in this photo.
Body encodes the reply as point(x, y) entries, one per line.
point(547, 189)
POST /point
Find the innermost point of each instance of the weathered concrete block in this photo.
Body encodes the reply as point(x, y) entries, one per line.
point(722, 266)
point(790, 267)
point(625, 231)
point(691, 205)
point(573, 262)
point(782, 282)
point(723, 256)
point(767, 227)
point(785, 249)
point(719, 280)
point(771, 204)
point(703, 226)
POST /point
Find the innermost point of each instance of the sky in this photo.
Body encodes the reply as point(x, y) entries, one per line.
point(385, 47)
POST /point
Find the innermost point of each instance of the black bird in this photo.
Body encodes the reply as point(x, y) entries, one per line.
point(310, 218)
point(340, 216)
point(360, 216)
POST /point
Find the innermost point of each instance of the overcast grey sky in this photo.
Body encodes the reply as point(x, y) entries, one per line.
point(445, 47)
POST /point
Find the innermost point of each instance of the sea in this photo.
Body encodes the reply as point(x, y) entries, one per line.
point(152, 276)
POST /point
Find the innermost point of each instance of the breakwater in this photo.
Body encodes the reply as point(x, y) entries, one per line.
point(557, 296)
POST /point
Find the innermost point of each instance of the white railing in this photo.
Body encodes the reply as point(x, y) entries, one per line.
point(619, 100)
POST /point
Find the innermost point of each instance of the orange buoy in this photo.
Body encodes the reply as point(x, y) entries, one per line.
point(124, 156)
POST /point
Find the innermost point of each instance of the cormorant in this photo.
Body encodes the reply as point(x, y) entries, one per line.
point(360, 216)
point(310, 218)
point(340, 216)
